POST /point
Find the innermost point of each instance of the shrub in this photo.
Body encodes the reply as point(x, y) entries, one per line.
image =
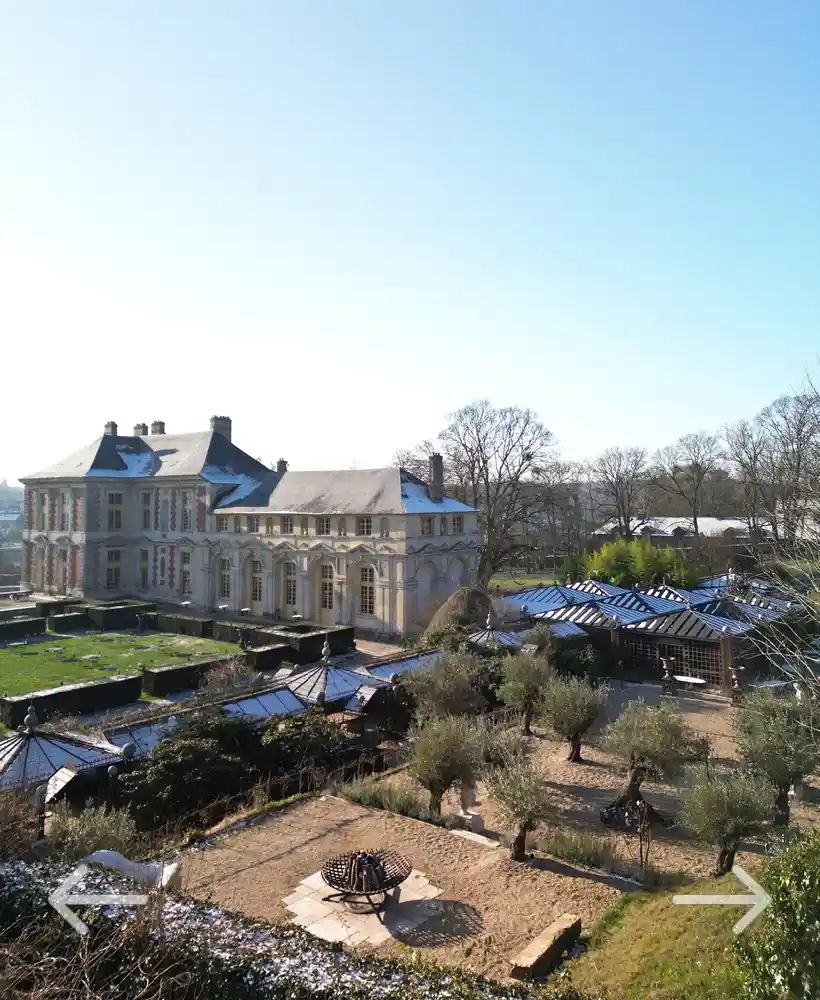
point(570, 705)
point(446, 751)
point(309, 740)
point(540, 637)
point(777, 738)
point(447, 686)
point(580, 847)
point(724, 810)
point(780, 960)
point(525, 796)
point(525, 678)
point(95, 828)
point(393, 797)
point(468, 607)
point(502, 743)
point(18, 825)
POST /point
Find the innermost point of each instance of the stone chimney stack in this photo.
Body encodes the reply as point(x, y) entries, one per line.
point(158, 427)
point(111, 429)
point(221, 425)
point(140, 430)
point(281, 466)
point(435, 485)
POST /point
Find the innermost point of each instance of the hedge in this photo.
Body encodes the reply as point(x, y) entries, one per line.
point(118, 616)
point(268, 657)
point(71, 621)
point(194, 625)
point(71, 699)
point(19, 628)
point(160, 681)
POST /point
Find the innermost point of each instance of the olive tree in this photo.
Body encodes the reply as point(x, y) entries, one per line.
point(569, 705)
point(525, 676)
point(723, 810)
point(525, 796)
point(447, 685)
point(654, 743)
point(775, 735)
point(446, 750)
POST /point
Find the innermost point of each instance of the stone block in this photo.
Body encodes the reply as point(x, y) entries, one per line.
point(307, 911)
point(330, 928)
point(543, 953)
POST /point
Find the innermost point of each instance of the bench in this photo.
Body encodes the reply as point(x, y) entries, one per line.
point(544, 952)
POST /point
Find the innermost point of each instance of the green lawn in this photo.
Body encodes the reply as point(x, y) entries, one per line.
point(45, 662)
point(646, 948)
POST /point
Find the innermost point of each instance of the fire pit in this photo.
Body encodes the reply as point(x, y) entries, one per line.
point(361, 875)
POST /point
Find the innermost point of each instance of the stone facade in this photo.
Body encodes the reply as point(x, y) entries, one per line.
point(174, 539)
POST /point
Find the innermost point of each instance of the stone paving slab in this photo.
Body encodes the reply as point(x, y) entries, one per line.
point(407, 908)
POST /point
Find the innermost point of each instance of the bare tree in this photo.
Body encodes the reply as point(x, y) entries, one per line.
point(497, 454)
point(620, 475)
point(683, 468)
point(746, 449)
point(415, 460)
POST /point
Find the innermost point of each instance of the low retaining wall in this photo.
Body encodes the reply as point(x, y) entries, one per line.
point(268, 657)
point(19, 628)
point(202, 628)
point(117, 616)
point(71, 699)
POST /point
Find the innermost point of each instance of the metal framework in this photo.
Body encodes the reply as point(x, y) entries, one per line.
point(363, 875)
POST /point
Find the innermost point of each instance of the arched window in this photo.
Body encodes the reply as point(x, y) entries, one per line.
point(327, 587)
point(367, 591)
point(225, 578)
point(303, 524)
point(342, 526)
point(384, 529)
point(290, 584)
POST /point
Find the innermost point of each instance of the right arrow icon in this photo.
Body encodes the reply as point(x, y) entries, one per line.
point(758, 902)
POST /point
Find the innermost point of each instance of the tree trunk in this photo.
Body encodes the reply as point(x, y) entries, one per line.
point(436, 795)
point(726, 857)
point(781, 806)
point(575, 750)
point(625, 810)
point(518, 847)
point(525, 724)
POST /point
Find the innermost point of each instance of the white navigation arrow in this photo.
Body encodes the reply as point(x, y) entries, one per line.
point(758, 902)
point(61, 900)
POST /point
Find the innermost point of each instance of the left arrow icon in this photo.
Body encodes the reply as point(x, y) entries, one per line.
point(61, 899)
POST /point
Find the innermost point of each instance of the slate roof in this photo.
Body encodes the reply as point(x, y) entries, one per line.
point(327, 684)
point(541, 599)
point(596, 614)
point(634, 600)
point(31, 758)
point(278, 702)
point(384, 671)
point(566, 630)
point(692, 623)
point(598, 588)
point(491, 638)
point(680, 594)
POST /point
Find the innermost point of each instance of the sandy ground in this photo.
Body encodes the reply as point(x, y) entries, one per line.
point(494, 907)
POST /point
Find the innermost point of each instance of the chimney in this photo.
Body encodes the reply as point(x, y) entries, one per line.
point(111, 428)
point(140, 430)
point(281, 466)
point(435, 486)
point(158, 427)
point(221, 425)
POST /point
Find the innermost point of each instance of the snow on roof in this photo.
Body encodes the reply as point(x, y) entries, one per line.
point(711, 527)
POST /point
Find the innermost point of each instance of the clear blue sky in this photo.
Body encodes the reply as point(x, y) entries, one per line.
point(336, 221)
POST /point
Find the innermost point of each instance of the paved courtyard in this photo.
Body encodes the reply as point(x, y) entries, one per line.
point(408, 907)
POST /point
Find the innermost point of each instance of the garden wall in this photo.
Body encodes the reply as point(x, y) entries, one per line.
point(71, 699)
point(19, 628)
point(194, 625)
point(268, 657)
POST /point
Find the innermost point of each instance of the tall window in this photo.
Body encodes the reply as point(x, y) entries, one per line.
point(458, 524)
point(303, 525)
point(64, 500)
point(290, 584)
point(253, 523)
point(143, 569)
point(221, 524)
point(367, 591)
point(287, 525)
point(384, 527)
point(185, 582)
point(225, 578)
point(268, 525)
point(342, 526)
point(327, 588)
point(112, 570)
point(442, 526)
point(146, 512)
point(187, 519)
point(427, 526)
point(322, 525)
point(237, 525)
point(256, 581)
point(114, 511)
point(364, 526)
point(42, 508)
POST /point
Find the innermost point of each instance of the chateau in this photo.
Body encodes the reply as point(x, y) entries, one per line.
point(191, 519)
